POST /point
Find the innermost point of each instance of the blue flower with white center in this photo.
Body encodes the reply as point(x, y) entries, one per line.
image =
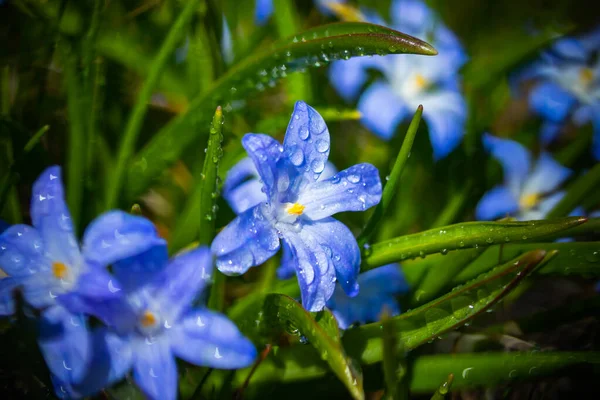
point(264, 9)
point(529, 191)
point(46, 262)
point(409, 81)
point(378, 290)
point(151, 321)
point(298, 209)
point(568, 86)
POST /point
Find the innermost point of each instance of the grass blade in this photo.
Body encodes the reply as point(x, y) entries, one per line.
point(577, 192)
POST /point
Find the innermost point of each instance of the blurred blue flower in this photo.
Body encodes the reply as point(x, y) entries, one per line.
point(409, 81)
point(529, 191)
point(322, 250)
point(151, 321)
point(46, 260)
point(378, 290)
point(567, 86)
point(264, 9)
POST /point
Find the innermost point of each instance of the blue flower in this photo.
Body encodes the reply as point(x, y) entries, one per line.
point(529, 191)
point(567, 86)
point(151, 321)
point(298, 210)
point(409, 81)
point(378, 290)
point(264, 9)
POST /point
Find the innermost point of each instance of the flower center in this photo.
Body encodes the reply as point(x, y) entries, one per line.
point(529, 201)
point(148, 319)
point(295, 209)
point(59, 270)
point(586, 76)
point(421, 82)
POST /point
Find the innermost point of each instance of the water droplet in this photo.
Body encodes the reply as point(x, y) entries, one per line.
point(322, 145)
point(444, 252)
point(434, 319)
point(304, 133)
point(317, 165)
point(353, 178)
point(297, 157)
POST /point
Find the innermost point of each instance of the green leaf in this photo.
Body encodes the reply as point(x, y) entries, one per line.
point(391, 187)
point(197, 220)
point(254, 74)
point(414, 327)
point(463, 236)
point(492, 369)
point(280, 314)
point(394, 362)
point(134, 124)
point(577, 192)
point(443, 389)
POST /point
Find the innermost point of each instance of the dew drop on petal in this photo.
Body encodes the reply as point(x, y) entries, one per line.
point(322, 146)
point(317, 166)
point(297, 157)
point(353, 178)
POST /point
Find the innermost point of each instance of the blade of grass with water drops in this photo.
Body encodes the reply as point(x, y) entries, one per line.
point(391, 187)
point(197, 220)
point(492, 369)
point(464, 236)
point(279, 314)
point(443, 389)
point(314, 48)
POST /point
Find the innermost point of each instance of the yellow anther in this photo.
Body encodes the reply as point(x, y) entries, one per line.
point(148, 319)
point(529, 201)
point(421, 81)
point(295, 209)
point(59, 270)
point(586, 75)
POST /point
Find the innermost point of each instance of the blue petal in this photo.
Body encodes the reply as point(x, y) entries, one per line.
point(324, 251)
point(3, 226)
point(549, 131)
point(348, 77)
point(571, 48)
point(247, 241)
point(65, 343)
point(551, 101)
point(378, 289)
point(210, 339)
point(154, 369)
point(449, 47)
point(116, 235)
point(135, 272)
point(183, 280)
point(7, 302)
point(546, 176)
point(51, 217)
point(306, 146)
point(596, 138)
point(445, 113)
point(498, 202)
point(382, 110)
point(241, 188)
point(288, 267)
point(411, 16)
point(354, 189)
point(264, 9)
point(265, 152)
point(22, 252)
point(514, 158)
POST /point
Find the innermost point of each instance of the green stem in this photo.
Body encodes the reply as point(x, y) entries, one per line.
point(134, 124)
point(453, 207)
point(577, 192)
point(394, 179)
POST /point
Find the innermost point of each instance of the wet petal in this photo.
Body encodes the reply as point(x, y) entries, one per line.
point(514, 158)
point(154, 369)
point(134, 272)
point(546, 176)
point(496, 203)
point(51, 217)
point(7, 296)
point(287, 269)
point(22, 252)
point(65, 344)
point(265, 152)
point(306, 146)
point(210, 339)
point(241, 188)
point(354, 189)
point(551, 101)
point(382, 110)
point(445, 112)
point(116, 235)
point(248, 240)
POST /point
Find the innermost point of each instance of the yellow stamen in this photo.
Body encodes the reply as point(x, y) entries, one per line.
point(421, 81)
point(345, 12)
point(529, 201)
point(148, 319)
point(586, 75)
point(59, 270)
point(295, 209)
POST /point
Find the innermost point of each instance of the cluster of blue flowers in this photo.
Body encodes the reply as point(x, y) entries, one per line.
point(121, 274)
